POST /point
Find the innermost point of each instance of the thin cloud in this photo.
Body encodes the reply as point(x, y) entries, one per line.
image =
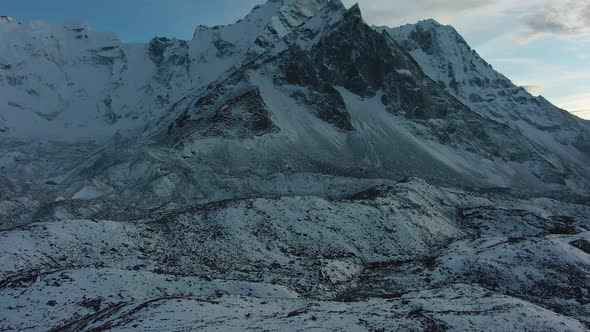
point(454, 6)
point(558, 18)
point(576, 103)
point(537, 18)
point(395, 12)
point(584, 114)
point(533, 89)
point(586, 15)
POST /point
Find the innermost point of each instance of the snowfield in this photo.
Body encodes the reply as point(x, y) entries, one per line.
point(407, 256)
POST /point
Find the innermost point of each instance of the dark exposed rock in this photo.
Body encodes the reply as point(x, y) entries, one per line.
point(244, 116)
point(15, 80)
point(424, 38)
point(364, 61)
point(564, 225)
point(224, 48)
point(296, 68)
point(328, 106)
point(92, 303)
point(157, 50)
point(582, 244)
point(157, 47)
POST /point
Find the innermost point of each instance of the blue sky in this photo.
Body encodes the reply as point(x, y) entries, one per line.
point(133, 20)
point(541, 44)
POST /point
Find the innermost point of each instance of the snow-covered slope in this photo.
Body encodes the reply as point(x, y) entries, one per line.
point(66, 82)
point(392, 256)
point(446, 58)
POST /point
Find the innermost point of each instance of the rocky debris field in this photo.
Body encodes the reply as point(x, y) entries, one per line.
point(402, 256)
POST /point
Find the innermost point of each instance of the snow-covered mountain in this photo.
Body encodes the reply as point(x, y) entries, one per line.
point(334, 97)
point(446, 58)
point(66, 82)
point(271, 173)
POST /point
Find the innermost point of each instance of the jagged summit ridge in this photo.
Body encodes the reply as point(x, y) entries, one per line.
point(265, 24)
point(133, 84)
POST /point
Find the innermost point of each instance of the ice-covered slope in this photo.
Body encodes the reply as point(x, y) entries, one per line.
point(67, 82)
point(446, 58)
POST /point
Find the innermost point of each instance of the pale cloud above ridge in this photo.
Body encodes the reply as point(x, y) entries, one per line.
point(535, 90)
point(536, 18)
point(392, 13)
point(569, 18)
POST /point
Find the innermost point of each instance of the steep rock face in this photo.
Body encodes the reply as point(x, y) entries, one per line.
point(446, 58)
point(353, 56)
point(240, 116)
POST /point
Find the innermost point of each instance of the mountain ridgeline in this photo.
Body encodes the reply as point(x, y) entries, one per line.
point(408, 101)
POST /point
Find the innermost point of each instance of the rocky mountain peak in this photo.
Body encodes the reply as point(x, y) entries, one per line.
point(278, 16)
point(347, 59)
point(445, 56)
point(302, 9)
point(355, 10)
point(432, 23)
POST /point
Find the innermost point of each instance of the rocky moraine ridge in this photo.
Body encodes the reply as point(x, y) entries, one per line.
point(298, 169)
